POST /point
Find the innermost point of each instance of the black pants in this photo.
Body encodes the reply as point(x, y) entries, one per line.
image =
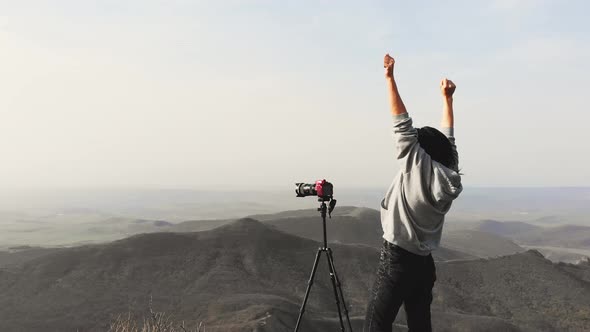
point(402, 277)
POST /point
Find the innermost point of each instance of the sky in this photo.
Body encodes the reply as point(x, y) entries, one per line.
point(252, 94)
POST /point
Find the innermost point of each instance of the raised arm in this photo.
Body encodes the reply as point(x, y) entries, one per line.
point(404, 133)
point(447, 124)
point(395, 101)
point(447, 88)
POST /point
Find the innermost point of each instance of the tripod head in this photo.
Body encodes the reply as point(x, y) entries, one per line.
point(331, 205)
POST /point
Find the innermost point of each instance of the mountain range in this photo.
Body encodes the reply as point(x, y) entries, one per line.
point(251, 275)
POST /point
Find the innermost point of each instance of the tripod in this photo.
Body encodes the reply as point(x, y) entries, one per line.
point(338, 295)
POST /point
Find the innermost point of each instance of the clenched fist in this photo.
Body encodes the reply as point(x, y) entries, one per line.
point(447, 88)
point(388, 63)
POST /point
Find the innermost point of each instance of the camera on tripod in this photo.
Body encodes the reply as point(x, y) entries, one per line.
point(322, 188)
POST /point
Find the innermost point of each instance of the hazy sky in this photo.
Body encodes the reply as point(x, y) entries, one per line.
point(265, 93)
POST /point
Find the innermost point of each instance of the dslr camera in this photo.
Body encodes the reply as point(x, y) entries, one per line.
point(321, 188)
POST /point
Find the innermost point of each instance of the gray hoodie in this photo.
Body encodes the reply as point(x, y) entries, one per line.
point(413, 210)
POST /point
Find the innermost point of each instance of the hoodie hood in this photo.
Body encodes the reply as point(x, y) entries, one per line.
point(447, 183)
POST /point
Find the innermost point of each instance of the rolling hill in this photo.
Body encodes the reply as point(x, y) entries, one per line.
point(479, 244)
point(525, 289)
point(568, 243)
point(349, 225)
point(250, 276)
point(359, 225)
point(236, 272)
point(569, 236)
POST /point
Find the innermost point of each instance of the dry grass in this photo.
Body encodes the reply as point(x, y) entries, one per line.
point(156, 322)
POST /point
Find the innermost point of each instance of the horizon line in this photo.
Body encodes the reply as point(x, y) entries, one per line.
point(256, 189)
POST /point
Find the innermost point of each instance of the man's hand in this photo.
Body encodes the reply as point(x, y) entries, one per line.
point(388, 63)
point(447, 88)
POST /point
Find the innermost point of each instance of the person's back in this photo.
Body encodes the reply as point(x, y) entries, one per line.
point(414, 207)
point(412, 214)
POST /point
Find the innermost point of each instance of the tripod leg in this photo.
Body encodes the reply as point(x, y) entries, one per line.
point(336, 296)
point(331, 261)
point(309, 283)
